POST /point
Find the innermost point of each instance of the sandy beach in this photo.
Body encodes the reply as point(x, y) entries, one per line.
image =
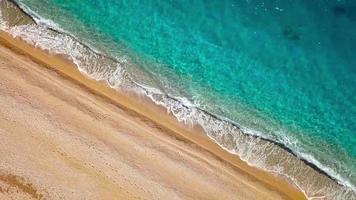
point(64, 136)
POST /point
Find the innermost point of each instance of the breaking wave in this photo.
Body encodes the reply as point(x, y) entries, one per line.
point(303, 170)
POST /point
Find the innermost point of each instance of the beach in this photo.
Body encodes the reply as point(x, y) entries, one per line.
point(64, 136)
point(115, 100)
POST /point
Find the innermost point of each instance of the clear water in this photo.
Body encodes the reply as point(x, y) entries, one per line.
point(285, 70)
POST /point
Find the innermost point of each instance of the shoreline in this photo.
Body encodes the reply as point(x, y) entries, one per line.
point(312, 178)
point(150, 111)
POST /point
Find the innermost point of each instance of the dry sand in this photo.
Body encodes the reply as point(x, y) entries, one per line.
point(63, 136)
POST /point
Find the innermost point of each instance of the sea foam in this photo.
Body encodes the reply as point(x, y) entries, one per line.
point(251, 146)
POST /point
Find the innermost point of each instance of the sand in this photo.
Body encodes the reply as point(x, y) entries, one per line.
point(64, 136)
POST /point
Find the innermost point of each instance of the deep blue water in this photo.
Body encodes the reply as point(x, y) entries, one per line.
point(286, 69)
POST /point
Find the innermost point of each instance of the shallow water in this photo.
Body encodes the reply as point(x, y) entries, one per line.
point(282, 70)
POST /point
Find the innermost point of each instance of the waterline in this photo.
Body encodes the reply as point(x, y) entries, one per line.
point(240, 141)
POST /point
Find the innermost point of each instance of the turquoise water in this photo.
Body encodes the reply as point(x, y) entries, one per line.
point(285, 70)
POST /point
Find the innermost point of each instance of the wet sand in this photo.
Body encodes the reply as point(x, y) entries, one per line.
point(64, 136)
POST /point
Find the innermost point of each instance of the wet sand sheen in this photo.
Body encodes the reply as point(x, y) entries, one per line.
point(65, 136)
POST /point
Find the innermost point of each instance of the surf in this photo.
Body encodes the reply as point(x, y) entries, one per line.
point(253, 146)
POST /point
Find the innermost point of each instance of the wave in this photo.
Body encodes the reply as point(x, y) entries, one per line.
point(255, 148)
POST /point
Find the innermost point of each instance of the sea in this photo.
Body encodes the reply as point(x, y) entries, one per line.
point(272, 81)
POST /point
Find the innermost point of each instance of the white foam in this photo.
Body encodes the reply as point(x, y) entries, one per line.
point(254, 151)
point(3, 23)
